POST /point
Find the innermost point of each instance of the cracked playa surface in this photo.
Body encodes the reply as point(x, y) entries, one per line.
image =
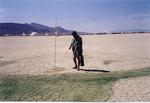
point(132, 90)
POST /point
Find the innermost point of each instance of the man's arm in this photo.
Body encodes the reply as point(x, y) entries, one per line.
point(80, 41)
point(71, 44)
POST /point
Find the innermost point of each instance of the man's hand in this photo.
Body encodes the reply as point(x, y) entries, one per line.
point(69, 48)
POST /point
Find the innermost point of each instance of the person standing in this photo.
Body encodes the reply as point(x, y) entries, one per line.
point(76, 46)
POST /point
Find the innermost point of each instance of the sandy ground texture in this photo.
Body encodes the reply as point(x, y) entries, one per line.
point(35, 55)
point(135, 90)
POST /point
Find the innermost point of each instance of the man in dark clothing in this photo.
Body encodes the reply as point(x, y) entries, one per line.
point(76, 46)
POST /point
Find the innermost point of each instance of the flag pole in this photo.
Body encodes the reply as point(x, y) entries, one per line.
point(55, 43)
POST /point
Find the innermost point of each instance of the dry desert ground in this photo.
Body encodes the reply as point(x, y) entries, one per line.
point(34, 55)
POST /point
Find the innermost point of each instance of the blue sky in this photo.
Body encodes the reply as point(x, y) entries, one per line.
point(80, 15)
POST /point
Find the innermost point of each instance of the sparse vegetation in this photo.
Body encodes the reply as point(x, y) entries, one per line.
point(63, 87)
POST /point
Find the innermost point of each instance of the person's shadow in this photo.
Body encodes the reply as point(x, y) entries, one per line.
point(94, 70)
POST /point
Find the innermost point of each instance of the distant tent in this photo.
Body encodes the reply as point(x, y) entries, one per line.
point(23, 34)
point(46, 34)
point(33, 34)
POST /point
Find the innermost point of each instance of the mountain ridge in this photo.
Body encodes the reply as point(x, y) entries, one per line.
point(20, 28)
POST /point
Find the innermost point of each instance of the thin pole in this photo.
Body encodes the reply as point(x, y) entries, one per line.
point(55, 43)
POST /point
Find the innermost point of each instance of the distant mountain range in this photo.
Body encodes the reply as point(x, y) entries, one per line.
point(18, 29)
point(12, 29)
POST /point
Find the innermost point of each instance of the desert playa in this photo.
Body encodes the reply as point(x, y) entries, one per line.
point(34, 55)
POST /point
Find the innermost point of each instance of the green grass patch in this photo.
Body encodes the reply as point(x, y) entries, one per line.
point(63, 87)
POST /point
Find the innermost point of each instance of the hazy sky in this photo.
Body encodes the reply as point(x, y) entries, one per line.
point(80, 15)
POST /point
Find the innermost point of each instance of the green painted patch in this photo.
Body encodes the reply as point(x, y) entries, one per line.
point(65, 87)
